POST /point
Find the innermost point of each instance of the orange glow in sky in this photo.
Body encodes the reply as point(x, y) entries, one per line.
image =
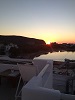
point(49, 20)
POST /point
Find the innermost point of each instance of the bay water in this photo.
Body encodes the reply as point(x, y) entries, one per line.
point(58, 56)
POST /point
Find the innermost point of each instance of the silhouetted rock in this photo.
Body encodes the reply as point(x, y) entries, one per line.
point(19, 45)
point(20, 40)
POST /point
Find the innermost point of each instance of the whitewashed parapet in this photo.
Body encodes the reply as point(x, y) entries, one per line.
point(40, 64)
point(34, 90)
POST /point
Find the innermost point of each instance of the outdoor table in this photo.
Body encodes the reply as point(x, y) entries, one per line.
point(12, 76)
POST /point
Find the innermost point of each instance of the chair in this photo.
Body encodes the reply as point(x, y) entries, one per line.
point(27, 71)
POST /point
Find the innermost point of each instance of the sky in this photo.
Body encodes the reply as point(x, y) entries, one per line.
point(49, 20)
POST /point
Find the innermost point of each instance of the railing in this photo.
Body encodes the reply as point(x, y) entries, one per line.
point(34, 90)
point(43, 71)
point(47, 75)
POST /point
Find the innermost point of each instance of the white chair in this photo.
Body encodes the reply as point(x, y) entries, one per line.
point(27, 71)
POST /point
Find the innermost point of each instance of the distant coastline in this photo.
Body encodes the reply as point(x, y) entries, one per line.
point(28, 48)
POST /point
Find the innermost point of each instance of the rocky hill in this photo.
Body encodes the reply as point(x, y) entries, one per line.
point(19, 46)
point(20, 40)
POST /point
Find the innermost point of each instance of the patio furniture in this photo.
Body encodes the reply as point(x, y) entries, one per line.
point(11, 76)
point(27, 71)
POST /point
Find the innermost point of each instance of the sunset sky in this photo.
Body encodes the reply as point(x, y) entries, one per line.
point(50, 20)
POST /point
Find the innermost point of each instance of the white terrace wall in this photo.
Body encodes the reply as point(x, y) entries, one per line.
point(34, 90)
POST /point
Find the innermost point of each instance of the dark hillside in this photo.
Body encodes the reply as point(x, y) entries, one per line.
point(19, 40)
point(18, 45)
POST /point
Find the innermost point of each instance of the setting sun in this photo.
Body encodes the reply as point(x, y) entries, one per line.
point(48, 42)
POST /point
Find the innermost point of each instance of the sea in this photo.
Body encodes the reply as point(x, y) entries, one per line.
point(58, 56)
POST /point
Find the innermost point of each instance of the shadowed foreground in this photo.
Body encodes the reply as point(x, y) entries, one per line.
point(7, 92)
